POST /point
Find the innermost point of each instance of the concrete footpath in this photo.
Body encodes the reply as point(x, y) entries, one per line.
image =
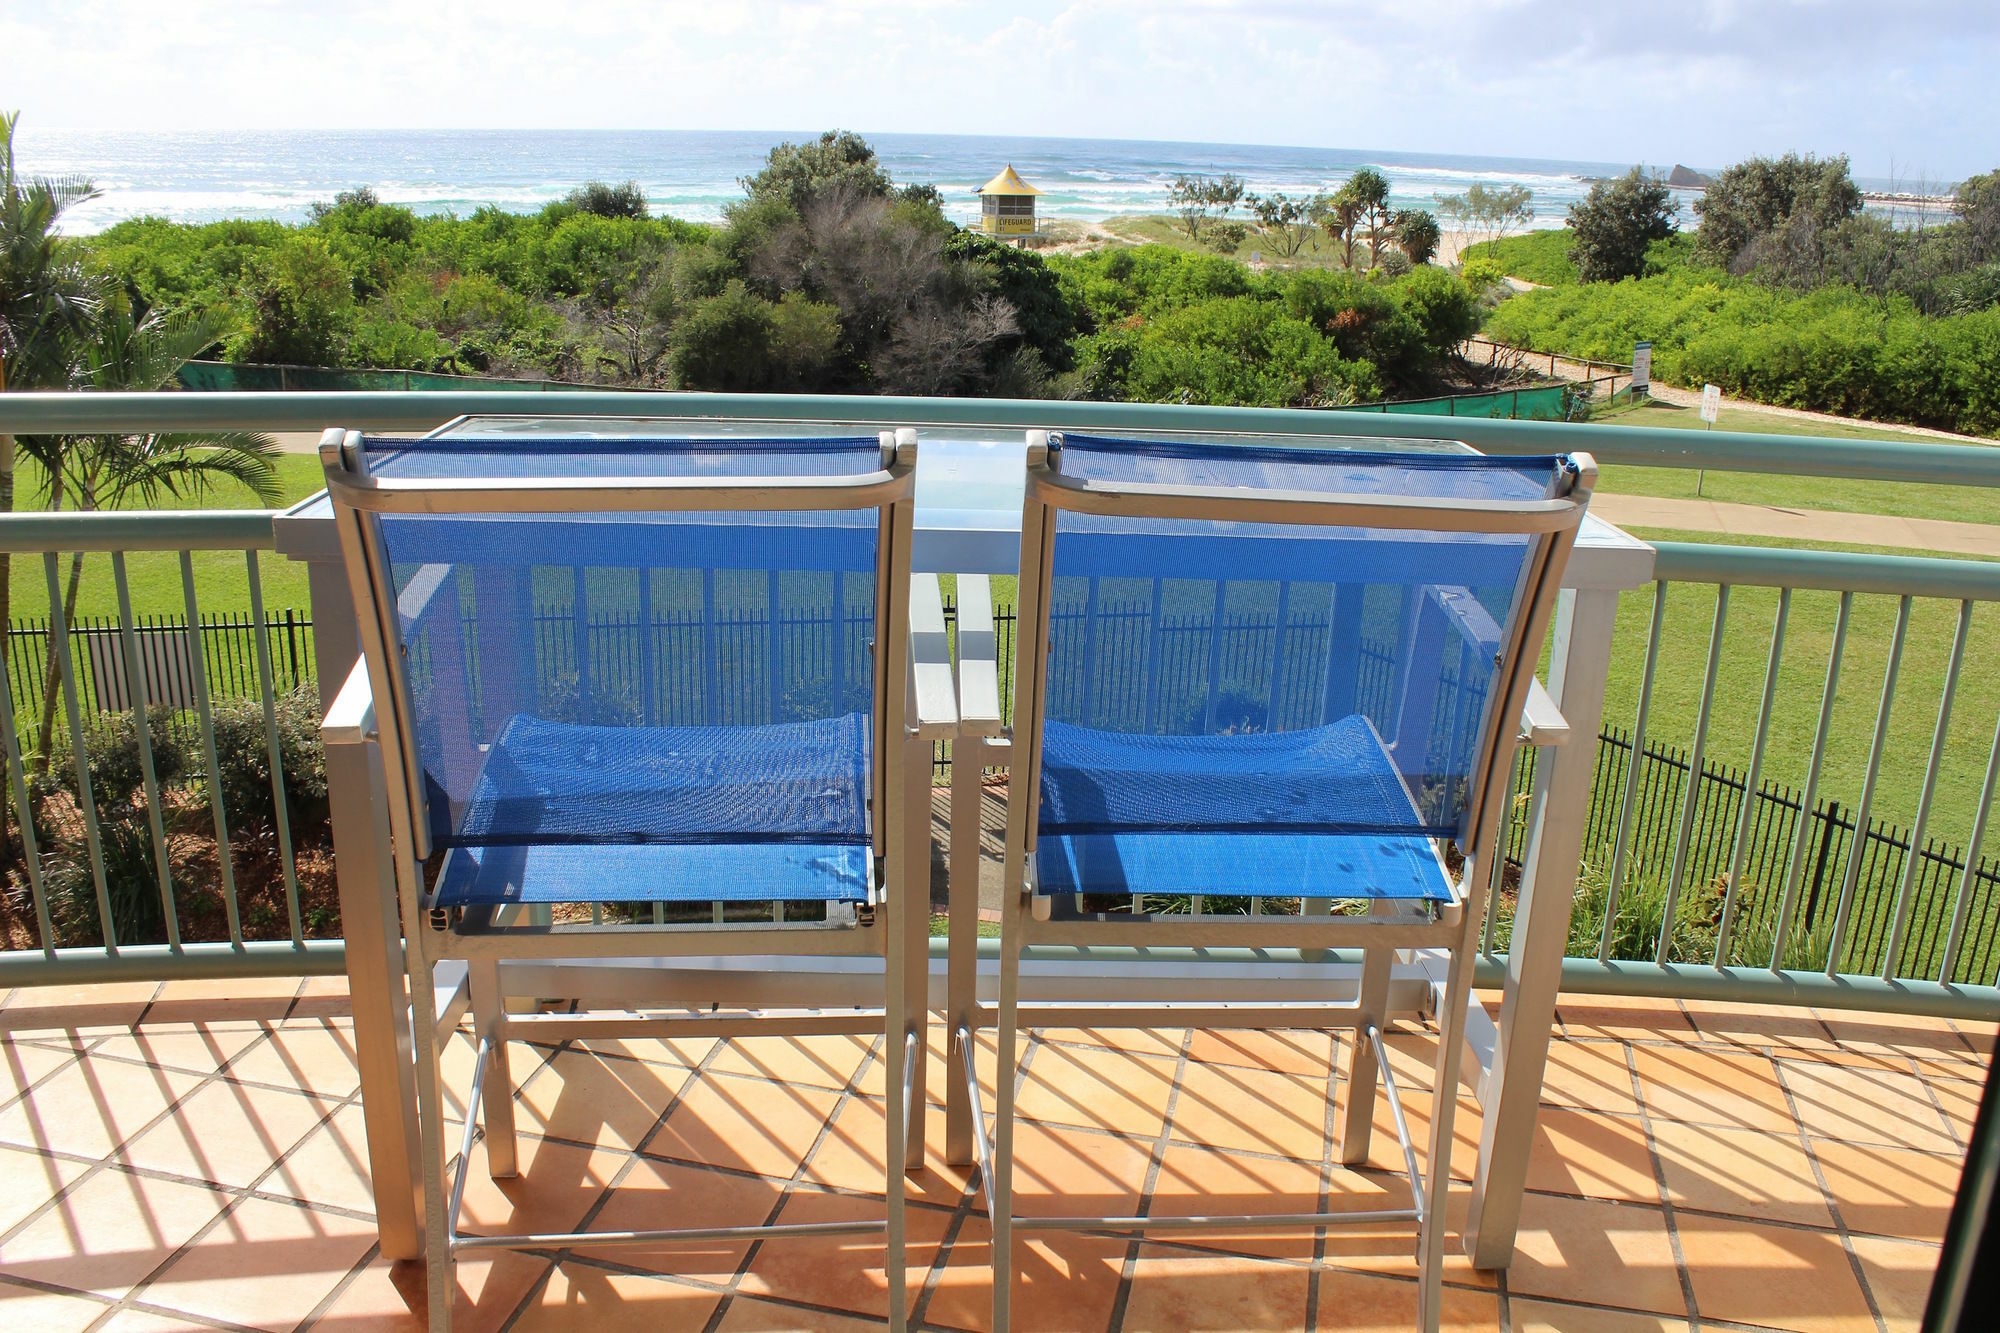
point(1933, 535)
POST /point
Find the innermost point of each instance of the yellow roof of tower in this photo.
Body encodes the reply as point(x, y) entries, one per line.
point(1008, 182)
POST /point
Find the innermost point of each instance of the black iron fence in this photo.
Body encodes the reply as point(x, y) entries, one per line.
point(166, 656)
point(733, 669)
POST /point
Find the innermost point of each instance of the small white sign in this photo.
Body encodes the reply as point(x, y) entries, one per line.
point(1711, 403)
point(1642, 367)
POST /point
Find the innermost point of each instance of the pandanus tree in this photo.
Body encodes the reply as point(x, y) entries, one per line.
point(135, 349)
point(49, 302)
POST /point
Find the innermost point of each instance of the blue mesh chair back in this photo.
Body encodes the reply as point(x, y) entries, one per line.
point(1265, 708)
point(653, 682)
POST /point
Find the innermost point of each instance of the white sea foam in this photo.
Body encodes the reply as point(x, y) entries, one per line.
point(209, 176)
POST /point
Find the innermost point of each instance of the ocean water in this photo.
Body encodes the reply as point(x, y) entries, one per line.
point(210, 175)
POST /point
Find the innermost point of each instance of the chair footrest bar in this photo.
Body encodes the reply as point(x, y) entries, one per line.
point(1241, 1222)
point(556, 1240)
point(1396, 1115)
point(558, 1026)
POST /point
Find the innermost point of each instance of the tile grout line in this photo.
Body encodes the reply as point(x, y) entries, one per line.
point(877, 1048)
point(556, 1258)
point(969, 1198)
point(1129, 1271)
point(241, 1195)
point(100, 1164)
point(1324, 1199)
point(374, 1251)
point(1832, 1206)
point(1667, 1212)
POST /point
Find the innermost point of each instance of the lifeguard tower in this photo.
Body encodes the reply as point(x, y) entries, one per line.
point(1007, 205)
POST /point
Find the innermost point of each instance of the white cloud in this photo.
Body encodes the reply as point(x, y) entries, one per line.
point(1700, 81)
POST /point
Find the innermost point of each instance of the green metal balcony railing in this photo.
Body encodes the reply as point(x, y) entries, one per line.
point(1798, 763)
point(142, 843)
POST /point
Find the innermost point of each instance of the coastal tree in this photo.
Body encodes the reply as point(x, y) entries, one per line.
point(301, 306)
point(797, 172)
point(1341, 218)
point(608, 201)
point(1196, 200)
point(1762, 206)
point(1976, 203)
point(1370, 189)
point(1287, 222)
point(1417, 235)
point(1488, 213)
point(48, 301)
point(1615, 223)
point(133, 349)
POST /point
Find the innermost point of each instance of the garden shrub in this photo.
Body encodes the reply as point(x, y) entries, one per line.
point(131, 882)
point(243, 762)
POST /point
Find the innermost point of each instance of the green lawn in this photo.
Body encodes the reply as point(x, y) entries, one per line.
point(221, 582)
point(1679, 679)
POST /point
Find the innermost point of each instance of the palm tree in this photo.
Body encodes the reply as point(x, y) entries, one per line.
point(137, 350)
point(48, 302)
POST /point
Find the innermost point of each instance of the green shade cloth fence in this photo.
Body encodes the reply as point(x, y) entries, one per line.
point(1536, 403)
point(1541, 402)
point(219, 376)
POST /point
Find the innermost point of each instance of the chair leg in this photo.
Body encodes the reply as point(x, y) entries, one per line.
point(901, 921)
point(1006, 1070)
point(1358, 1122)
point(440, 1281)
point(1444, 1108)
point(496, 1110)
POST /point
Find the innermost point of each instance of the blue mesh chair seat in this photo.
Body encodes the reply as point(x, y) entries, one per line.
point(691, 806)
point(1317, 812)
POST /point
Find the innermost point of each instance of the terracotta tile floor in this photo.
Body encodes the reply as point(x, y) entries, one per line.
point(191, 1156)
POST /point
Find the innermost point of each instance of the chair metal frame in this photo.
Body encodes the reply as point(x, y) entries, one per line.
point(1389, 927)
point(892, 926)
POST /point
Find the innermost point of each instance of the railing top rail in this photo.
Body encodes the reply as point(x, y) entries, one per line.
point(1873, 460)
point(1833, 571)
point(139, 530)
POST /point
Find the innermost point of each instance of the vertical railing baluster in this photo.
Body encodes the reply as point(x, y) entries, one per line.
point(1215, 658)
point(1796, 866)
point(1685, 829)
point(266, 687)
point(1747, 813)
point(1274, 718)
point(649, 701)
point(1973, 845)
point(24, 809)
point(86, 799)
point(1629, 805)
point(1496, 880)
point(205, 712)
point(1852, 877)
point(711, 652)
point(1086, 711)
point(1156, 646)
point(774, 652)
point(136, 696)
point(1913, 864)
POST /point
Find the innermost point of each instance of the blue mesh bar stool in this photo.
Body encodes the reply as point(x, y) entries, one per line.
point(1260, 691)
point(641, 699)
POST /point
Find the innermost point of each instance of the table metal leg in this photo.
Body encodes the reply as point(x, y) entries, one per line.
point(377, 991)
point(1578, 667)
point(962, 947)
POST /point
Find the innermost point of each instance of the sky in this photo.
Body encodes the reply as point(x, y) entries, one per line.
point(1906, 88)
